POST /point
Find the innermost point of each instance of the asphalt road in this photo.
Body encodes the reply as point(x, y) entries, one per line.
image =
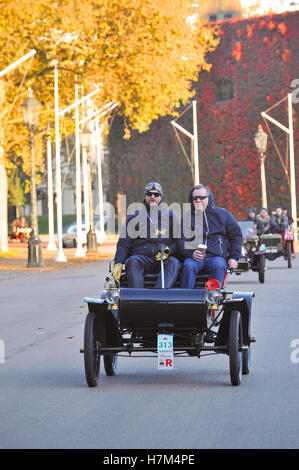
point(45, 402)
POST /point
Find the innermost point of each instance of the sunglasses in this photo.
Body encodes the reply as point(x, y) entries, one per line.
point(150, 194)
point(199, 197)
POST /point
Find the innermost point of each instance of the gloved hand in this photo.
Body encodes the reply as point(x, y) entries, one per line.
point(116, 271)
point(165, 251)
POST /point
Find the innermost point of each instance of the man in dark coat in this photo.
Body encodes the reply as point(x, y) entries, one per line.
point(142, 237)
point(279, 221)
point(264, 217)
point(257, 222)
point(290, 218)
point(214, 227)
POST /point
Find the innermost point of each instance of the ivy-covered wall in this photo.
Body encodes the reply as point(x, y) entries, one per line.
point(259, 57)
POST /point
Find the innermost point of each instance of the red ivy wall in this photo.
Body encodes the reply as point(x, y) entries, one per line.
point(261, 57)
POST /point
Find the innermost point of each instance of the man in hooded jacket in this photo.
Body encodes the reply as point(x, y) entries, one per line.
point(214, 227)
point(142, 237)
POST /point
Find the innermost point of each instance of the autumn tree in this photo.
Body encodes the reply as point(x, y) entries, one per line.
point(145, 53)
point(16, 195)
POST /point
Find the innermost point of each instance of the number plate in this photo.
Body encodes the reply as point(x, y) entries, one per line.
point(165, 351)
point(271, 250)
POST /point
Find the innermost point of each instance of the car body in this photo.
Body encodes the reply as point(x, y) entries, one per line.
point(277, 245)
point(167, 323)
point(253, 251)
point(69, 233)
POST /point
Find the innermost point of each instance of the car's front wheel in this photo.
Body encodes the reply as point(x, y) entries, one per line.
point(92, 354)
point(235, 343)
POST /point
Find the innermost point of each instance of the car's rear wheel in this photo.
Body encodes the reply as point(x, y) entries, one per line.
point(261, 265)
point(289, 254)
point(246, 362)
point(110, 364)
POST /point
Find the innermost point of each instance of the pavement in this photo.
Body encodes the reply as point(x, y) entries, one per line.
point(14, 262)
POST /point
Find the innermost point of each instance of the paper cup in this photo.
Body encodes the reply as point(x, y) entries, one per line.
point(202, 247)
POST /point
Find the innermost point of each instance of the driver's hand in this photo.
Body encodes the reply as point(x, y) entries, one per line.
point(232, 263)
point(116, 271)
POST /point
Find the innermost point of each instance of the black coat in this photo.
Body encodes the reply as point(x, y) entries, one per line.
point(145, 231)
point(220, 232)
point(260, 229)
point(279, 223)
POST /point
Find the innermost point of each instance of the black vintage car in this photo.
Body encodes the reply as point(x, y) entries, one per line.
point(277, 245)
point(167, 323)
point(253, 251)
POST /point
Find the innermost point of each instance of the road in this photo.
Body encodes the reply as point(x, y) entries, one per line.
point(45, 402)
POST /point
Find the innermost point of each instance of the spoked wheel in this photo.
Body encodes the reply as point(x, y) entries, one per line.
point(110, 364)
point(91, 353)
point(289, 254)
point(235, 342)
point(262, 268)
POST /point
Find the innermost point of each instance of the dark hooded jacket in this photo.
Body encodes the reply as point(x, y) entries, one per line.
point(145, 231)
point(220, 231)
point(279, 223)
point(260, 229)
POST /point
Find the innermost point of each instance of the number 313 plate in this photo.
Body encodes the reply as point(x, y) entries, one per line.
point(165, 350)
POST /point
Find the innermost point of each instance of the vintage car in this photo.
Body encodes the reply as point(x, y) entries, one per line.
point(277, 245)
point(167, 323)
point(253, 251)
point(69, 233)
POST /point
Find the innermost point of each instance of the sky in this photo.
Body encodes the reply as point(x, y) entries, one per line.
point(277, 6)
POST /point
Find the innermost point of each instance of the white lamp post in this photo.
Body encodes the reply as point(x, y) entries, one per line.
point(60, 257)
point(51, 245)
point(260, 140)
point(290, 131)
point(99, 151)
point(80, 253)
point(31, 109)
point(91, 239)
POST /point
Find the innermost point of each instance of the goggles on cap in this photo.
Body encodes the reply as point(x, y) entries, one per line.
point(153, 185)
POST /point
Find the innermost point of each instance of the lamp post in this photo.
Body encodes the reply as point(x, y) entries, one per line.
point(260, 140)
point(91, 239)
point(51, 244)
point(31, 109)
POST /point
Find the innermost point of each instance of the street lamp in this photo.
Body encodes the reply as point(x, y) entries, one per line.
point(91, 239)
point(260, 140)
point(31, 109)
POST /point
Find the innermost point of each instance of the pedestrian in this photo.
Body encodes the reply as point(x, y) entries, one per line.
point(24, 230)
point(257, 222)
point(265, 218)
point(279, 221)
point(143, 236)
point(213, 227)
point(290, 218)
point(15, 226)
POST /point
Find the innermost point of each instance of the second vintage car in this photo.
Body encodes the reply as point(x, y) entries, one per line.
point(253, 252)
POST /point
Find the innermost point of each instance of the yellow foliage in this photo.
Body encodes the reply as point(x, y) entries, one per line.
point(145, 54)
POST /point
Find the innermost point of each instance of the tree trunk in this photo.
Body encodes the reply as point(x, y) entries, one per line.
point(3, 184)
